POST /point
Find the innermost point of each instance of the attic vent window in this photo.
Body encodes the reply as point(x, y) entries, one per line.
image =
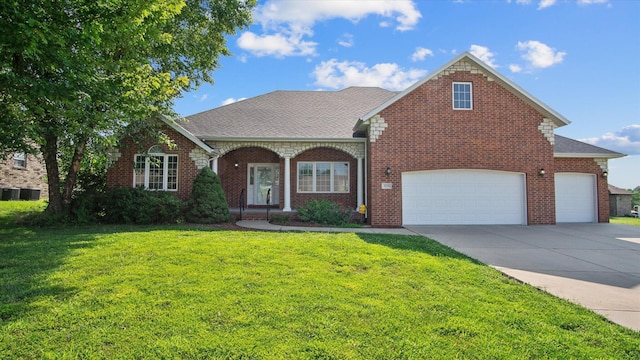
point(462, 96)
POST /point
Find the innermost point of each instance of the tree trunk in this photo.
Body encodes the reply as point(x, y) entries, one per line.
point(50, 154)
point(72, 175)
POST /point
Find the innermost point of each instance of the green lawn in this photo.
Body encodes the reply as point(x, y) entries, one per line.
point(175, 292)
point(625, 220)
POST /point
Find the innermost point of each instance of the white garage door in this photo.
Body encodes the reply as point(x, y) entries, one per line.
point(463, 197)
point(575, 197)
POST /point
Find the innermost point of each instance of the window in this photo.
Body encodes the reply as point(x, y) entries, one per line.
point(462, 96)
point(20, 160)
point(323, 177)
point(156, 170)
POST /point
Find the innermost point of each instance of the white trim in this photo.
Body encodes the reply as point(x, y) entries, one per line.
point(165, 170)
point(360, 186)
point(587, 155)
point(187, 134)
point(20, 156)
point(287, 184)
point(332, 177)
point(453, 95)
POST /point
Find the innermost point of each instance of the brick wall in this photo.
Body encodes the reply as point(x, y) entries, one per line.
point(32, 176)
point(120, 173)
point(423, 132)
point(589, 166)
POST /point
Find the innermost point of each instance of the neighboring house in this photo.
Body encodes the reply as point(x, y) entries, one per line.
point(619, 201)
point(464, 145)
point(24, 171)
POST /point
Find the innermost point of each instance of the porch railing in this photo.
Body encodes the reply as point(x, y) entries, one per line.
point(241, 203)
point(268, 203)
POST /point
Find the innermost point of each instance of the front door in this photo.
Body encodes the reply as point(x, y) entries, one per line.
point(263, 183)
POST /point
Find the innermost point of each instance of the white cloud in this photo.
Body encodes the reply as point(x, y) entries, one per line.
point(515, 68)
point(625, 140)
point(288, 23)
point(277, 45)
point(483, 53)
point(232, 100)
point(203, 97)
point(543, 4)
point(589, 2)
point(337, 75)
point(540, 55)
point(421, 54)
point(346, 40)
point(307, 13)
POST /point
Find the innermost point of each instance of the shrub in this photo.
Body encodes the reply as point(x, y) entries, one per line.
point(122, 205)
point(280, 219)
point(323, 212)
point(207, 203)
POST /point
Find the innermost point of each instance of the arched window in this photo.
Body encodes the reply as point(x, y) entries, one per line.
point(156, 170)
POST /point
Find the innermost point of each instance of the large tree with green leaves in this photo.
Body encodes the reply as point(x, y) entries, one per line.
point(75, 74)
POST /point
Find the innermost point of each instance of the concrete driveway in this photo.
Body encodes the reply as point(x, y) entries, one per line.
point(595, 265)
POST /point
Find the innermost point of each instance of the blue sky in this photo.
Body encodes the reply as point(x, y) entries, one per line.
point(580, 57)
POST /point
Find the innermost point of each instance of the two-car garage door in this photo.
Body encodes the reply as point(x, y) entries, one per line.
point(463, 197)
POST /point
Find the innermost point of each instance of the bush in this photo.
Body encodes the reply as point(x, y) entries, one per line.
point(323, 212)
point(139, 206)
point(207, 203)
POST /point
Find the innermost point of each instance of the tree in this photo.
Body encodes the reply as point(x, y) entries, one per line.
point(81, 73)
point(207, 203)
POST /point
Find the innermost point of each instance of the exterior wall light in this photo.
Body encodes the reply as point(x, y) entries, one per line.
point(541, 172)
point(388, 171)
point(236, 165)
point(605, 174)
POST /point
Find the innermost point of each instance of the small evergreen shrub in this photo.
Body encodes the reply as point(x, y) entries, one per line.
point(207, 203)
point(323, 212)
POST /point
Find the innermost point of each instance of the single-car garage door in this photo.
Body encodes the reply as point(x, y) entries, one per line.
point(463, 197)
point(575, 197)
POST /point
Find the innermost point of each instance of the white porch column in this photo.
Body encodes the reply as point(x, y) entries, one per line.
point(360, 188)
point(213, 163)
point(287, 184)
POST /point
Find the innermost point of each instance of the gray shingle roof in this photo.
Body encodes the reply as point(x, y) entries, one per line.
point(614, 190)
point(289, 115)
point(574, 148)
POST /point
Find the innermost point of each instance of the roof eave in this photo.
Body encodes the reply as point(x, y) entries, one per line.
point(588, 155)
point(172, 123)
point(265, 139)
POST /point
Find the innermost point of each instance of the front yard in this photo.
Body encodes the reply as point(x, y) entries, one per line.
point(179, 292)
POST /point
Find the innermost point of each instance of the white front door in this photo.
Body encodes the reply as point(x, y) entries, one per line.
point(263, 183)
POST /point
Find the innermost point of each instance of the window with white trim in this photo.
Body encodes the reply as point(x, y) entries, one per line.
point(462, 96)
point(156, 170)
point(323, 177)
point(20, 160)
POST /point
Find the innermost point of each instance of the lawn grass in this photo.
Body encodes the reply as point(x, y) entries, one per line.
point(177, 292)
point(625, 220)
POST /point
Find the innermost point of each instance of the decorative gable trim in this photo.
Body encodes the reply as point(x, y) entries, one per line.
point(546, 127)
point(376, 128)
point(602, 163)
point(462, 65)
point(199, 157)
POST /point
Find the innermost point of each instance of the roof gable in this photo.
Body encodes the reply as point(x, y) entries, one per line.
point(468, 62)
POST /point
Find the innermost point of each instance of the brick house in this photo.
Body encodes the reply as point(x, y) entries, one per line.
point(464, 145)
point(24, 171)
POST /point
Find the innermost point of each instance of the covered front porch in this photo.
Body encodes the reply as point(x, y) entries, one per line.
point(259, 174)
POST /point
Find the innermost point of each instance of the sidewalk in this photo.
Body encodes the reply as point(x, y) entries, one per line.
point(264, 225)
